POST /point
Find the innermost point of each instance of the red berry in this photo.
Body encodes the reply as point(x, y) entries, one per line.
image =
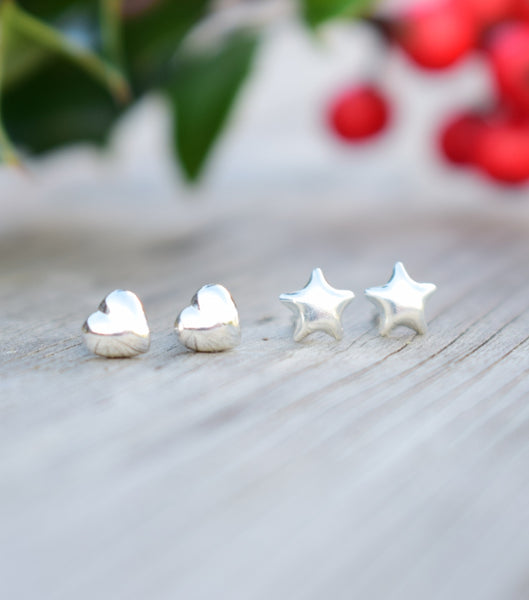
point(488, 12)
point(503, 152)
point(459, 138)
point(521, 9)
point(437, 35)
point(509, 54)
point(359, 113)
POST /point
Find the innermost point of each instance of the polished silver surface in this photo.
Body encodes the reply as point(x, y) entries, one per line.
point(211, 322)
point(400, 301)
point(118, 329)
point(317, 307)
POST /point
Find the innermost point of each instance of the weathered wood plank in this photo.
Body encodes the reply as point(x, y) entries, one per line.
point(378, 468)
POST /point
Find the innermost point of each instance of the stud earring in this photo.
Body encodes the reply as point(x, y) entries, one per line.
point(317, 307)
point(118, 329)
point(400, 301)
point(211, 322)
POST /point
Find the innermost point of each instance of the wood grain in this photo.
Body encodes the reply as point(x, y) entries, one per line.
point(369, 468)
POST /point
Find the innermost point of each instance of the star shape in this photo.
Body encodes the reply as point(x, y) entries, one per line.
point(317, 307)
point(400, 301)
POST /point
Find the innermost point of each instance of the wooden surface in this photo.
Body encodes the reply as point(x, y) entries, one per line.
point(370, 468)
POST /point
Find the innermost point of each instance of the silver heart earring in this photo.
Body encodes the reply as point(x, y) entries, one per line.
point(400, 301)
point(118, 329)
point(317, 307)
point(211, 322)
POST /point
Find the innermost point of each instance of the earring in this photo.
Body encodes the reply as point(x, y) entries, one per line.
point(211, 322)
point(317, 307)
point(400, 301)
point(118, 329)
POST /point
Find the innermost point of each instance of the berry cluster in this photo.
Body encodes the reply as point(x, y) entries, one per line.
point(435, 35)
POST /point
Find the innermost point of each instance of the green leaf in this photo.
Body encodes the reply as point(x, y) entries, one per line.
point(54, 91)
point(50, 90)
point(57, 105)
point(152, 36)
point(316, 12)
point(50, 10)
point(202, 92)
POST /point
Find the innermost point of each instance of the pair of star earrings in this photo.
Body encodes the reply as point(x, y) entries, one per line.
point(211, 322)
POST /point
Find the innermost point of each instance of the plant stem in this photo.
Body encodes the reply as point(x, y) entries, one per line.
point(111, 31)
point(52, 39)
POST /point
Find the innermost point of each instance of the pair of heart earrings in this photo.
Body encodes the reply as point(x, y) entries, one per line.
point(119, 328)
point(211, 322)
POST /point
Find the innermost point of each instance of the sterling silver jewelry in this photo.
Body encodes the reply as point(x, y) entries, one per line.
point(211, 322)
point(317, 307)
point(118, 329)
point(400, 301)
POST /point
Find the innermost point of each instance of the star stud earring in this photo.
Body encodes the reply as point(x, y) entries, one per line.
point(317, 307)
point(400, 301)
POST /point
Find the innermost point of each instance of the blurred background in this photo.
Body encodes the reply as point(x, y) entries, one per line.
point(375, 101)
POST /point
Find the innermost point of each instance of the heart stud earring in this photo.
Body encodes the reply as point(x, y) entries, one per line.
point(317, 307)
point(400, 301)
point(211, 322)
point(118, 329)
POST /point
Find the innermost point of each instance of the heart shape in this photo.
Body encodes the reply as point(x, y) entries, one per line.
point(211, 322)
point(118, 329)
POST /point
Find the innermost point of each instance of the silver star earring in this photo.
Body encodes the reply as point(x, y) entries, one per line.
point(118, 329)
point(317, 307)
point(211, 322)
point(400, 301)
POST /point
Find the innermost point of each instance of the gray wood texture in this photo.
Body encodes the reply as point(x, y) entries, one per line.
point(369, 468)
